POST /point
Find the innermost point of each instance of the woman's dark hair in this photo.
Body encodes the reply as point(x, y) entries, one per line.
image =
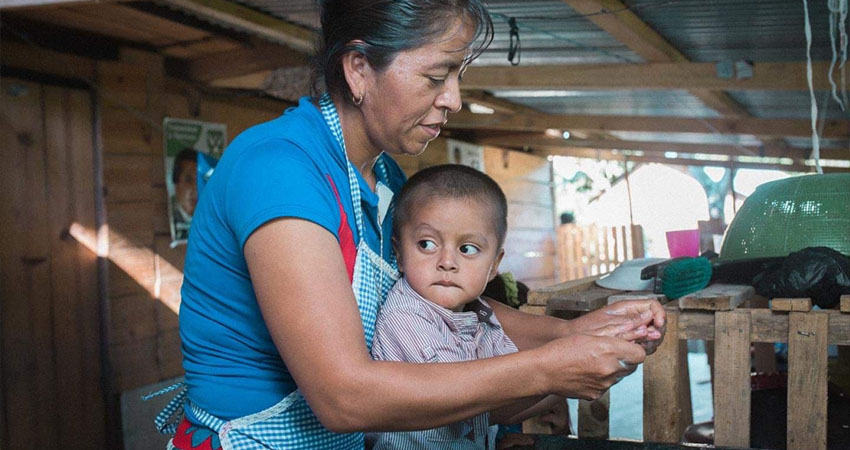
point(386, 28)
point(453, 181)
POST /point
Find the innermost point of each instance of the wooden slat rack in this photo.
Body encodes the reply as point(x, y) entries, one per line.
point(722, 314)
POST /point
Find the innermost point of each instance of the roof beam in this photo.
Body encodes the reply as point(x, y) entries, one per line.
point(249, 20)
point(637, 35)
point(491, 101)
point(782, 76)
point(610, 155)
point(241, 62)
point(773, 150)
point(837, 129)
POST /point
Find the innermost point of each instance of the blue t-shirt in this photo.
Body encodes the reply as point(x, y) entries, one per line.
point(287, 167)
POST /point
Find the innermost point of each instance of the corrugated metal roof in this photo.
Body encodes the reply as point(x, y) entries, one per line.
point(551, 33)
point(704, 31)
point(609, 102)
point(301, 12)
point(787, 104)
point(757, 30)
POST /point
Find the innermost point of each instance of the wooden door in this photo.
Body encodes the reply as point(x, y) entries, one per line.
point(50, 366)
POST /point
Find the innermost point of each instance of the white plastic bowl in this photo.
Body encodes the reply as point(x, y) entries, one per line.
point(626, 276)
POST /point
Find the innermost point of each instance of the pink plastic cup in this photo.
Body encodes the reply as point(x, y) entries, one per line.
point(683, 243)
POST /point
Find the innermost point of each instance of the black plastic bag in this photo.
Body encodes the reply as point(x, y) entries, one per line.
point(819, 273)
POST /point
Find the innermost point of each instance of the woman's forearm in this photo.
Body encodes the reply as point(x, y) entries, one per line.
point(389, 396)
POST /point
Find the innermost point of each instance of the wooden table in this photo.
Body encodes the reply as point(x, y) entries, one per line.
point(719, 313)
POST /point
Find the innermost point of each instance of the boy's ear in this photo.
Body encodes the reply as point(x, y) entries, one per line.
point(495, 270)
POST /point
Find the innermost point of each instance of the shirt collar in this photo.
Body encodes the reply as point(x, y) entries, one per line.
point(475, 312)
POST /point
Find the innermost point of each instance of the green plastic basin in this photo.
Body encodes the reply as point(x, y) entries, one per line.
point(787, 215)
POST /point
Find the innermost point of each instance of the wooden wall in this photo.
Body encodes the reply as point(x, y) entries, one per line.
point(145, 273)
point(50, 362)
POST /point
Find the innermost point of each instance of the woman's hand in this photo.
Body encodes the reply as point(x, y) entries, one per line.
point(584, 366)
point(638, 321)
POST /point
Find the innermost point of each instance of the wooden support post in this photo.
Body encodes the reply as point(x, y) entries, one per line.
point(732, 379)
point(593, 417)
point(845, 303)
point(807, 359)
point(666, 391)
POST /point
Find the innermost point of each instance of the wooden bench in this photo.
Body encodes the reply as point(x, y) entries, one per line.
point(722, 314)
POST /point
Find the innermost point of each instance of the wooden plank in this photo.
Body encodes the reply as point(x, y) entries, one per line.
point(133, 318)
point(541, 140)
point(833, 128)
point(543, 295)
point(636, 241)
point(134, 364)
point(127, 178)
point(593, 417)
point(39, 60)
point(732, 379)
point(131, 271)
point(539, 242)
point(807, 380)
point(130, 224)
point(642, 76)
point(525, 268)
point(717, 297)
point(29, 378)
point(504, 165)
point(252, 21)
point(75, 319)
point(766, 326)
point(93, 432)
point(529, 216)
point(845, 303)
point(169, 355)
point(524, 190)
point(636, 296)
point(584, 301)
point(665, 411)
point(246, 61)
point(791, 304)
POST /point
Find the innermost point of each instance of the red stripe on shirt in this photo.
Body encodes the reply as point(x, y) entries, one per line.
point(346, 237)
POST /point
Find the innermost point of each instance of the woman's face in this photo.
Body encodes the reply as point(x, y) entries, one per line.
point(405, 105)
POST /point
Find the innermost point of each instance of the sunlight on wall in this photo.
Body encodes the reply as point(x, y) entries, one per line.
point(98, 243)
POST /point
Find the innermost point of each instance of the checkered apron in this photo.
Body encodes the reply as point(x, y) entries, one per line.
point(291, 424)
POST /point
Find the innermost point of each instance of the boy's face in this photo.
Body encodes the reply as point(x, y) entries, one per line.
point(449, 250)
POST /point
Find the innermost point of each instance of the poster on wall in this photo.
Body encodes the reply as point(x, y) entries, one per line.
point(192, 150)
point(465, 153)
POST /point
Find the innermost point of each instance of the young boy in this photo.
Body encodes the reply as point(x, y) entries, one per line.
point(449, 225)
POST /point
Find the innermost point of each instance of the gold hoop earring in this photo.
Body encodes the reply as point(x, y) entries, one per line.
point(356, 100)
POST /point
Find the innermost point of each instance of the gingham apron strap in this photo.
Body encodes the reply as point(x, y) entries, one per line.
point(167, 419)
point(204, 418)
point(332, 119)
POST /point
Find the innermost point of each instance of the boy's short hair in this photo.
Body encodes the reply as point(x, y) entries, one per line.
point(454, 181)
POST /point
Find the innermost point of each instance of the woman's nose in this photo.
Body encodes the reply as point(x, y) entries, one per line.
point(449, 99)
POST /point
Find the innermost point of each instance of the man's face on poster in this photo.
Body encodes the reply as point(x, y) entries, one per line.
point(186, 187)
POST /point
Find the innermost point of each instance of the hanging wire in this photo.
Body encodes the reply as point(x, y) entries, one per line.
point(515, 49)
point(562, 38)
point(837, 20)
point(814, 102)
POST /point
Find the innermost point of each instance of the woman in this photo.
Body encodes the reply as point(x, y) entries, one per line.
point(289, 257)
